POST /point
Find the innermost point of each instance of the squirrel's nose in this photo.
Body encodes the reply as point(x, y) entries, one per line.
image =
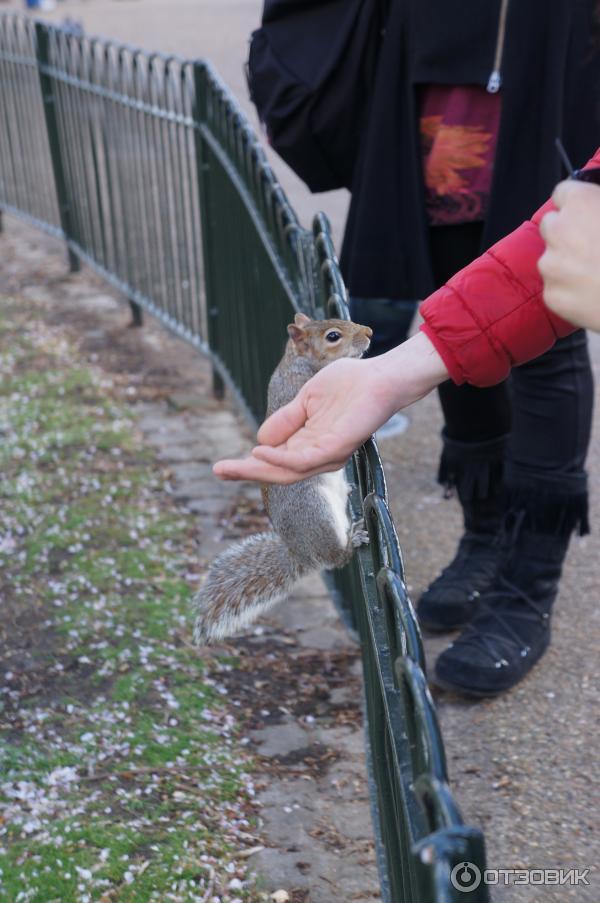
point(368, 331)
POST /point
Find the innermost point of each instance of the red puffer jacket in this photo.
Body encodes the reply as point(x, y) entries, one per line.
point(491, 316)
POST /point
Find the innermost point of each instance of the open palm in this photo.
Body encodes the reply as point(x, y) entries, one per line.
point(318, 431)
point(336, 411)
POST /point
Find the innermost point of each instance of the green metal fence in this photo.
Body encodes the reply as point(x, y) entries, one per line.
point(147, 169)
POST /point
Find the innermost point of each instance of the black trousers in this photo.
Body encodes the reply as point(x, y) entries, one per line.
point(544, 408)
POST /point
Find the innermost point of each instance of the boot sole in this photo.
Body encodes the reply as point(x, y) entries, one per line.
point(467, 691)
point(474, 693)
point(439, 628)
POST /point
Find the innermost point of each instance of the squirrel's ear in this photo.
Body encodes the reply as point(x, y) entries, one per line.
point(301, 320)
point(295, 333)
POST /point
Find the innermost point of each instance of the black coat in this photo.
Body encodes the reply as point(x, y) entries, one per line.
point(551, 88)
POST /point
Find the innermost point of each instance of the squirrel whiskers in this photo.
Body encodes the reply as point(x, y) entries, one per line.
point(312, 528)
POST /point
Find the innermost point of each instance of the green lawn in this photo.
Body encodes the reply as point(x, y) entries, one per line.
point(122, 773)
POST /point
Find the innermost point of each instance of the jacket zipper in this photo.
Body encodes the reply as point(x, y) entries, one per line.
point(495, 80)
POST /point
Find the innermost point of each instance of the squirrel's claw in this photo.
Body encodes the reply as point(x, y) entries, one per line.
point(359, 535)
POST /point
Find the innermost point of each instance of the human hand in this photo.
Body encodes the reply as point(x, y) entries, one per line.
point(333, 413)
point(336, 411)
point(570, 265)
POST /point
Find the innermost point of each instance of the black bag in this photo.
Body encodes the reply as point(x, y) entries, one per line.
point(310, 70)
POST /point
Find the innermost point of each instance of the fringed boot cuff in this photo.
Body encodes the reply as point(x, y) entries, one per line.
point(550, 505)
point(474, 469)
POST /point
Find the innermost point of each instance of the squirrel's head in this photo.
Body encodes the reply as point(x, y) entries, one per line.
point(327, 340)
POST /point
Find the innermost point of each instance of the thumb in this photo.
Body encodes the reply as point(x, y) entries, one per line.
point(568, 191)
point(547, 224)
point(283, 423)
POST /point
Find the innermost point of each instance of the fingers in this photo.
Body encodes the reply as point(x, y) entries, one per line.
point(561, 192)
point(259, 471)
point(302, 462)
point(551, 265)
point(548, 225)
point(252, 469)
point(234, 468)
point(283, 423)
point(543, 268)
point(568, 191)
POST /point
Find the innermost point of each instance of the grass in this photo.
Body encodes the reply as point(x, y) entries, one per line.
point(123, 776)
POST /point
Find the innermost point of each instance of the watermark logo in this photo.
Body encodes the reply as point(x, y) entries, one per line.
point(466, 877)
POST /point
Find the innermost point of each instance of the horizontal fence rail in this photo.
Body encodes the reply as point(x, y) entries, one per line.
point(148, 170)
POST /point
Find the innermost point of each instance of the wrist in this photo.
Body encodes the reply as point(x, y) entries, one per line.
point(409, 372)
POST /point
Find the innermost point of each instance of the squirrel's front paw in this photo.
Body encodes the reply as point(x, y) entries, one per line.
point(359, 535)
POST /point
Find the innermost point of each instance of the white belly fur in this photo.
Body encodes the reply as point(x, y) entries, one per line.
point(334, 488)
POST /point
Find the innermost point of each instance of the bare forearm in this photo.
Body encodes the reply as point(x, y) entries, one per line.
point(410, 371)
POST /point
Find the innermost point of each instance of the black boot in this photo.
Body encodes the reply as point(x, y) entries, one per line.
point(475, 470)
point(511, 630)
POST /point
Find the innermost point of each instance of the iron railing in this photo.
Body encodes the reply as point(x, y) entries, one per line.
point(148, 170)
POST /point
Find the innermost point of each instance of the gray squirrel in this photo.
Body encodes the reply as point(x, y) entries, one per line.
point(312, 527)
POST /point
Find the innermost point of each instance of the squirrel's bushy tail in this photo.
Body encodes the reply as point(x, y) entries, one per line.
point(243, 582)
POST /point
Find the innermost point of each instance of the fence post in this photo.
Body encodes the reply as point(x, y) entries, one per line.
point(137, 315)
point(49, 101)
point(203, 171)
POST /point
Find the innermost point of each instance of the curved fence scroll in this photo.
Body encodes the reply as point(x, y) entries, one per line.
point(147, 169)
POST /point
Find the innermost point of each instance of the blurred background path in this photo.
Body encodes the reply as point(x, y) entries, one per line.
point(217, 30)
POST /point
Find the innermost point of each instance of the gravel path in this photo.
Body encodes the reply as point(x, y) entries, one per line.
point(522, 766)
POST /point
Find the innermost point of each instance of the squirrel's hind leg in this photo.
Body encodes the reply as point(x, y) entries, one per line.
point(357, 536)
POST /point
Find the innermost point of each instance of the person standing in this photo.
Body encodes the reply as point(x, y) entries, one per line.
point(458, 150)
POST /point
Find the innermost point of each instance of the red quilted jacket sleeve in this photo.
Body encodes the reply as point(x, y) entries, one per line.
point(491, 316)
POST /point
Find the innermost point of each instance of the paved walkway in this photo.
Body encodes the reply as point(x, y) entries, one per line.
point(296, 681)
point(521, 766)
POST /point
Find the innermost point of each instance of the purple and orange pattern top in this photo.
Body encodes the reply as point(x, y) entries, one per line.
point(459, 130)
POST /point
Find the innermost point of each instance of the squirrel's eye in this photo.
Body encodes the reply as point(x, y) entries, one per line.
point(333, 336)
